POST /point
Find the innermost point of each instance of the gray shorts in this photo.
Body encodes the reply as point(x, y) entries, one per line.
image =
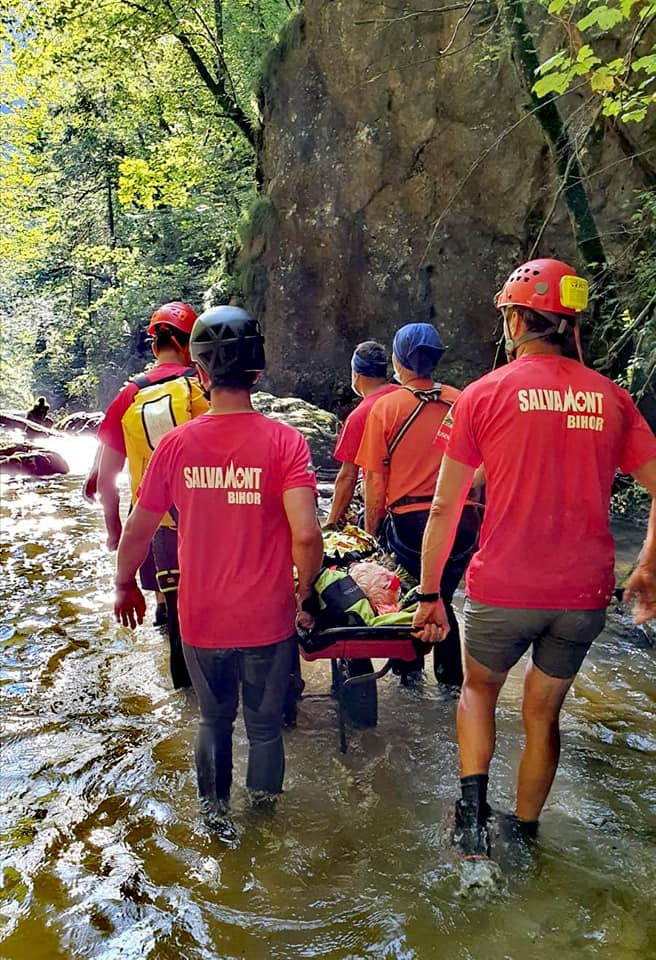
point(498, 636)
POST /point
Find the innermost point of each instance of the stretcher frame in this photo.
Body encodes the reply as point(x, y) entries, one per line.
point(343, 644)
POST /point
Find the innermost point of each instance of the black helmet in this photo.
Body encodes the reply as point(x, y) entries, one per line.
point(226, 341)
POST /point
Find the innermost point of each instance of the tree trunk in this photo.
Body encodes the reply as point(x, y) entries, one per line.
point(548, 115)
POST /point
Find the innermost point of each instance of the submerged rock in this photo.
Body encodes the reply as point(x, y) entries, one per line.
point(319, 427)
point(32, 461)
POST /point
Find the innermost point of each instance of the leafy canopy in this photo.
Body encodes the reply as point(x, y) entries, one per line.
point(129, 133)
point(625, 84)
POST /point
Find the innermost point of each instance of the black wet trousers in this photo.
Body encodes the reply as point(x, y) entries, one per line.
point(409, 529)
point(165, 556)
point(263, 675)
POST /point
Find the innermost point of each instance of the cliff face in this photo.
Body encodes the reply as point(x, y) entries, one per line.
point(388, 197)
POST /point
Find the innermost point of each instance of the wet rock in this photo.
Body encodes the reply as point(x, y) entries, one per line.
point(14, 421)
point(319, 427)
point(27, 459)
point(81, 422)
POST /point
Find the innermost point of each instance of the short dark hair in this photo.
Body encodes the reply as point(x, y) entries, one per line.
point(165, 337)
point(234, 381)
point(538, 323)
point(371, 351)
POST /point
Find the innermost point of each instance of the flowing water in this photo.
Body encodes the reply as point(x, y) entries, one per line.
point(105, 855)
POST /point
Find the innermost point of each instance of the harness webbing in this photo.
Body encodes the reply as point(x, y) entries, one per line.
point(424, 396)
point(141, 380)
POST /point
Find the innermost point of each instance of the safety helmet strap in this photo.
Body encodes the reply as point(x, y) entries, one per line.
point(512, 343)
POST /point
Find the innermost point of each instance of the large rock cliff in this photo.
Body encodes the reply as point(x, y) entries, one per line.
point(400, 184)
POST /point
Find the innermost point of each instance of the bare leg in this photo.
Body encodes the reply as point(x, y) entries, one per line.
point(543, 698)
point(476, 721)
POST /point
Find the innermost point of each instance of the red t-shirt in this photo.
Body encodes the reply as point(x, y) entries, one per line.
point(350, 436)
point(551, 433)
point(226, 475)
point(111, 431)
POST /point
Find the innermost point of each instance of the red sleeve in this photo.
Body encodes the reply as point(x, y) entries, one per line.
point(110, 431)
point(154, 492)
point(350, 437)
point(297, 467)
point(456, 434)
point(640, 444)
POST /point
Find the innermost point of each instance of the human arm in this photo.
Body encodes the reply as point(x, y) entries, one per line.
point(345, 484)
point(307, 545)
point(453, 485)
point(375, 490)
point(90, 485)
point(478, 480)
point(110, 464)
point(641, 585)
point(129, 603)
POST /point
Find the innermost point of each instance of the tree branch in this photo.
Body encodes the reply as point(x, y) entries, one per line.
point(479, 160)
point(217, 88)
point(614, 348)
point(555, 131)
point(388, 21)
point(459, 23)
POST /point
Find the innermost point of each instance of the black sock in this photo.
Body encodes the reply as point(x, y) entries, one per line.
point(474, 789)
point(527, 828)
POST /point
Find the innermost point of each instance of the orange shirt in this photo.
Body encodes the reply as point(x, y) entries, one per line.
point(415, 463)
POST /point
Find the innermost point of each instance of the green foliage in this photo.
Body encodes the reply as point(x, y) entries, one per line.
point(289, 37)
point(258, 218)
point(625, 335)
point(625, 85)
point(128, 158)
point(630, 501)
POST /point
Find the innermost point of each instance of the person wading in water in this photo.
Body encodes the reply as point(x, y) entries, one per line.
point(401, 464)
point(551, 434)
point(245, 491)
point(140, 414)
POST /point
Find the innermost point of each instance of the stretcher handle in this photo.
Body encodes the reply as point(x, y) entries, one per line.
point(383, 632)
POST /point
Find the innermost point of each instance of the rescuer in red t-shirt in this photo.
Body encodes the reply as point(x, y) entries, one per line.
point(170, 327)
point(551, 434)
point(245, 491)
point(369, 381)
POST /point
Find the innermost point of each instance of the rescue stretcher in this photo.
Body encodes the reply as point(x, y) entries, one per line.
point(351, 650)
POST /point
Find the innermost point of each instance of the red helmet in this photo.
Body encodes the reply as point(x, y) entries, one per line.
point(546, 286)
point(176, 314)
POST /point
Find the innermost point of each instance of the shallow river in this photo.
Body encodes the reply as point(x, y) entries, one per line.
point(105, 855)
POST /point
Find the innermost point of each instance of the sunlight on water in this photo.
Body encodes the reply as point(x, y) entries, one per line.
point(78, 452)
point(105, 855)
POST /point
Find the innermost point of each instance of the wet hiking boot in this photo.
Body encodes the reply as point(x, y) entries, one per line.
point(214, 812)
point(522, 830)
point(410, 672)
point(470, 833)
point(518, 838)
point(516, 833)
point(262, 801)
